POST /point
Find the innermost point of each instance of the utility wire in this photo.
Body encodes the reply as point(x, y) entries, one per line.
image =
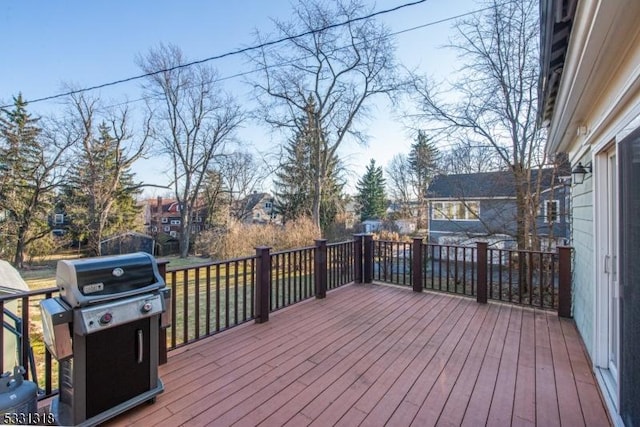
point(227, 54)
point(255, 70)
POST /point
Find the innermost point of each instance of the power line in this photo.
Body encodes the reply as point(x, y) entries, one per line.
point(255, 70)
point(225, 55)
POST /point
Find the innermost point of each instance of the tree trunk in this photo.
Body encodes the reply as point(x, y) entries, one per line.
point(18, 259)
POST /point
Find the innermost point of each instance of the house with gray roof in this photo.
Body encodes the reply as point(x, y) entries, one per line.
point(465, 208)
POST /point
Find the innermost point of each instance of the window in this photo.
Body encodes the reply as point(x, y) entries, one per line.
point(165, 220)
point(175, 222)
point(551, 211)
point(167, 228)
point(458, 211)
point(268, 205)
point(58, 219)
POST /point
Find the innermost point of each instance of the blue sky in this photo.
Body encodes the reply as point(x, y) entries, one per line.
point(86, 43)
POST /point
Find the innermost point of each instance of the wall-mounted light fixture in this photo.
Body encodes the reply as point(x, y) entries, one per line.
point(579, 172)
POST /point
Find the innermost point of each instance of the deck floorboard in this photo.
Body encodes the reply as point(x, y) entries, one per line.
point(376, 355)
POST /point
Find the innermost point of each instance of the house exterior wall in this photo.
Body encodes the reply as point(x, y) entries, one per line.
point(583, 256)
point(498, 218)
point(608, 110)
point(598, 105)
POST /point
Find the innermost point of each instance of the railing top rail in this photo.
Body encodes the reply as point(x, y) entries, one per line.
point(286, 251)
point(22, 294)
point(525, 251)
point(452, 246)
point(346, 242)
point(392, 241)
point(209, 264)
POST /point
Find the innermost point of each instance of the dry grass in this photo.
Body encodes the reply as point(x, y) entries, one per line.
point(240, 240)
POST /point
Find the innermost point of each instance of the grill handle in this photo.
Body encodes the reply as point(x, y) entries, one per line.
point(140, 346)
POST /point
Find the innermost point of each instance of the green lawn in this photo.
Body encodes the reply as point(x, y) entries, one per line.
point(42, 274)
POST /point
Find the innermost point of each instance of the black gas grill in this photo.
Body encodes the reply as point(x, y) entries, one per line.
point(104, 330)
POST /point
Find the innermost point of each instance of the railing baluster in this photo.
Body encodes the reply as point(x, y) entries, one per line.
point(174, 309)
point(24, 340)
point(217, 297)
point(227, 279)
point(464, 271)
point(208, 301)
point(196, 303)
point(185, 306)
point(236, 280)
point(482, 272)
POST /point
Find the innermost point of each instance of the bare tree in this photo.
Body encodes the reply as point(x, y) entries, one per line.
point(469, 157)
point(494, 100)
point(399, 184)
point(238, 174)
point(100, 192)
point(193, 118)
point(330, 74)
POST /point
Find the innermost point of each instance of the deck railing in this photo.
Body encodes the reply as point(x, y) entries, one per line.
point(212, 297)
point(535, 278)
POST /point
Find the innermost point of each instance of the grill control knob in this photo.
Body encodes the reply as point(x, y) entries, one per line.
point(146, 307)
point(106, 318)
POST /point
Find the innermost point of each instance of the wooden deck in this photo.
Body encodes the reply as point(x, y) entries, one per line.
point(381, 355)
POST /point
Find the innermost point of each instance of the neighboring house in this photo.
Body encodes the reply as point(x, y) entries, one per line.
point(59, 223)
point(257, 208)
point(466, 207)
point(590, 102)
point(402, 226)
point(351, 215)
point(163, 216)
point(371, 225)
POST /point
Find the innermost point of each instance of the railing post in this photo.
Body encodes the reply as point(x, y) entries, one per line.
point(416, 264)
point(263, 283)
point(162, 339)
point(357, 258)
point(367, 265)
point(320, 268)
point(481, 291)
point(564, 281)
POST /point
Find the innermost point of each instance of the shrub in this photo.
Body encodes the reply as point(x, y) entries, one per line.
point(239, 240)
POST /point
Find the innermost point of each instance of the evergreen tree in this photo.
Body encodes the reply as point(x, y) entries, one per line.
point(371, 195)
point(295, 188)
point(27, 179)
point(293, 183)
point(101, 192)
point(423, 164)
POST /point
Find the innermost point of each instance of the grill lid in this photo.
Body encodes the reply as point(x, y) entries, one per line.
point(93, 280)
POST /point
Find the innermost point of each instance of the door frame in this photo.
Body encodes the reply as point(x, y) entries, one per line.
point(602, 289)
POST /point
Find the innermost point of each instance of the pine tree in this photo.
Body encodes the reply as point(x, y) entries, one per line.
point(295, 189)
point(101, 191)
point(423, 164)
point(293, 180)
point(371, 195)
point(27, 180)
